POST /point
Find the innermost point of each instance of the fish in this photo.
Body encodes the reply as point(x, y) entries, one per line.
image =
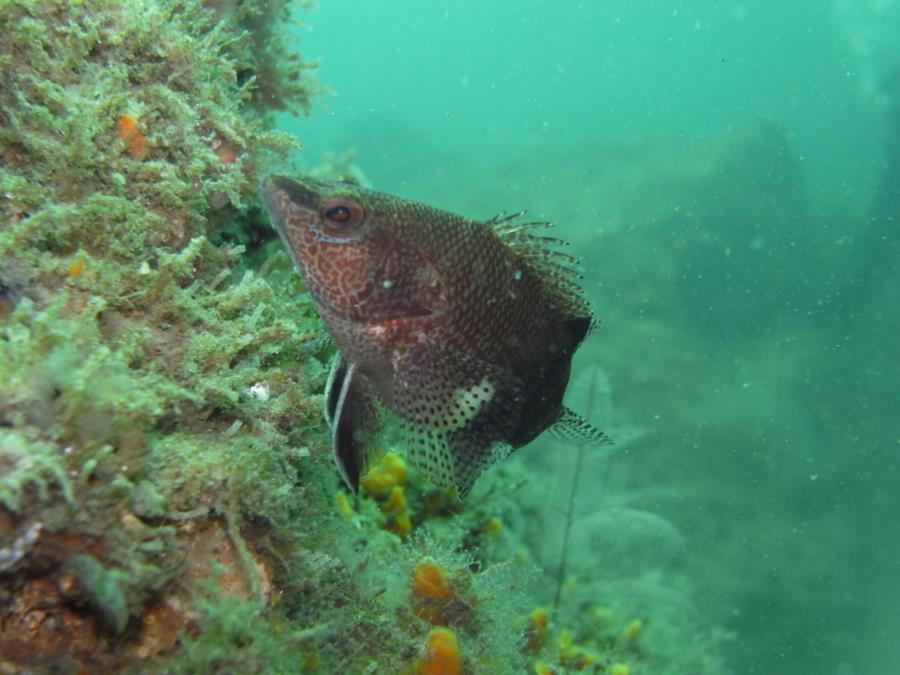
point(454, 336)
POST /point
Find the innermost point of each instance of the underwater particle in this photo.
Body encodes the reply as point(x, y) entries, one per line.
point(12, 554)
point(343, 505)
point(441, 655)
point(619, 669)
point(536, 630)
point(128, 129)
point(470, 359)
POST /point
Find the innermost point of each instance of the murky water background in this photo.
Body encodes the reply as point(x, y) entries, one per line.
point(730, 174)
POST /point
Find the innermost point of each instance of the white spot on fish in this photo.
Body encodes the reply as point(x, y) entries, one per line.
point(468, 402)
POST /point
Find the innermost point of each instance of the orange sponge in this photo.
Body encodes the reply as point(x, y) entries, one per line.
point(430, 593)
point(129, 130)
point(441, 654)
point(429, 580)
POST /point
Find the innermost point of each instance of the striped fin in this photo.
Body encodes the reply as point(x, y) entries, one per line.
point(560, 271)
point(572, 428)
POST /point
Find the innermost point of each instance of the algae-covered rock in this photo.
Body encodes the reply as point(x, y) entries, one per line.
point(166, 485)
point(131, 138)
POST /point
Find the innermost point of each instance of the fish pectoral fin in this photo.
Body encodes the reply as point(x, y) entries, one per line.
point(572, 428)
point(336, 374)
point(353, 417)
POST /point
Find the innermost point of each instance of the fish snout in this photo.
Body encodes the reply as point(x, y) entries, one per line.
point(284, 195)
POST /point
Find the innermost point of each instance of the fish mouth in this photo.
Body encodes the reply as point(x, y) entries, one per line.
point(276, 187)
point(282, 195)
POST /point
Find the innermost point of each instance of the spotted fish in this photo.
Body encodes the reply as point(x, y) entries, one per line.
point(455, 337)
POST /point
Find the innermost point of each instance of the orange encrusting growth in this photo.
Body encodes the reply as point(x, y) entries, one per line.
point(381, 478)
point(128, 129)
point(225, 150)
point(384, 482)
point(344, 507)
point(429, 580)
point(572, 656)
point(431, 594)
point(441, 654)
point(536, 630)
point(396, 512)
point(76, 268)
point(493, 525)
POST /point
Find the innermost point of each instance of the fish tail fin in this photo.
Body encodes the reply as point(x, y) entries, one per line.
point(572, 428)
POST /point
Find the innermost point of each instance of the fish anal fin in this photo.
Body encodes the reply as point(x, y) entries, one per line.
point(453, 461)
point(572, 428)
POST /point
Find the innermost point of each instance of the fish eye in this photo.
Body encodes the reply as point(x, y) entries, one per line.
point(339, 214)
point(342, 215)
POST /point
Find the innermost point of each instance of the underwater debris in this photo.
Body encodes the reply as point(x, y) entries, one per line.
point(20, 546)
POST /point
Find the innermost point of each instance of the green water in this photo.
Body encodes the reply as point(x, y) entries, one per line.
point(730, 174)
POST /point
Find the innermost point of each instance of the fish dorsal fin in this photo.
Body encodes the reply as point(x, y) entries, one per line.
point(560, 271)
point(572, 428)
